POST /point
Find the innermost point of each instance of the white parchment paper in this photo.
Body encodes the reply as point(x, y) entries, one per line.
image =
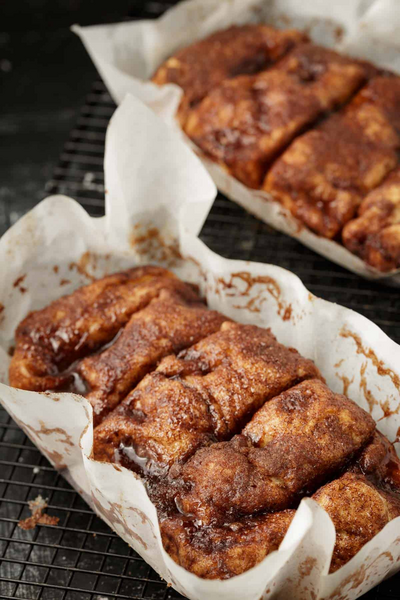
point(158, 195)
point(127, 54)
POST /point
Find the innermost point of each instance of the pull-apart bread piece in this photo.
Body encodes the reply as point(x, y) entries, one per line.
point(102, 339)
point(292, 444)
point(203, 65)
point(228, 427)
point(375, 234)
point(324, 174)
point(245, 122)
point(205, 394)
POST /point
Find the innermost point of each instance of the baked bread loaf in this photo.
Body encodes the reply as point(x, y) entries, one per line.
point(317, 130)
point(228, 428)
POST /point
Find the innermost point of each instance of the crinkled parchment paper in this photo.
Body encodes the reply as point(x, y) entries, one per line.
point(158, 195)
point(127, 54)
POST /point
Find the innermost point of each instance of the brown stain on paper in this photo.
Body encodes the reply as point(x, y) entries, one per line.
point(154, 246)
point(114, 516)
point(54, 456)
point(382, 370)
point(268, 285)
point(83, 264)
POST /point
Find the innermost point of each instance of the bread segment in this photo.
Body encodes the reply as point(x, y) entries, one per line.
point(292, 444)
point(245, 122)
point(324, 175)
point(206, 393)
point(374, 234)
point(237, 50)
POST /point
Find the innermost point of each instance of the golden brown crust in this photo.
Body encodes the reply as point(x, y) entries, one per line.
point(166, 325)
point(205, 393)
point(325, 173)
point(182, 380)
point(48, 341)
point(375, 234)
point(359, 510)
point(222, 552)
point(202, 66)
point(293, 443)
point(245, 122)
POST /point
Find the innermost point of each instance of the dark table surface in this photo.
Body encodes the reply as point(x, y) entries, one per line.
point(45, 75)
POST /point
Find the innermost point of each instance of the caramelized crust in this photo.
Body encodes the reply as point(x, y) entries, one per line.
point(246, 121)
point(380, 463)
point(167, 325)
point(291, 445)
point(204, 394)
point(359, 511)
point(49, 341)
point(222, 552)
point(325, 173)
point(375, 234)
point(180, 381)
point(201, 66)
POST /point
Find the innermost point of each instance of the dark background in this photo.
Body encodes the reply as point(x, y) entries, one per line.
point(45, 79)
point(45, 74)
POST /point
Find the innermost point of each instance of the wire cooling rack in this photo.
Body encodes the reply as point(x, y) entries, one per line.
point(81, 558)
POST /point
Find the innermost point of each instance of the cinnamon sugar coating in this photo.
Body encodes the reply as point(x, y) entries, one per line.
point(206, 393)
point(244, 122)
point(375, 234)
point(225, 54)
point(325, 173)
point(293, 443)
point(228, 428)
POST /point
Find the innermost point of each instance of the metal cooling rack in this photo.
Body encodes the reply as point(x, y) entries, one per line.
point(81, 558)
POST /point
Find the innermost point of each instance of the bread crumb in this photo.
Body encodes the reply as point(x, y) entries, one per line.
point(38, 517)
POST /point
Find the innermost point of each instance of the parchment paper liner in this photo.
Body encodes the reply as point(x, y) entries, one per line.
point(158, 196)
point(127, 54)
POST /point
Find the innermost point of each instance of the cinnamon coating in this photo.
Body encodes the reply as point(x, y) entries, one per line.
point(375, 234)
point(292, 444)
point(223, 552)
point(237, 50)
point(204, 394)
point(229, 428)
point(325, 173)
point(359, 511)
point(244, 122)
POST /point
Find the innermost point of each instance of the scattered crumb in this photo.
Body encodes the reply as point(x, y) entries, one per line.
point(94, 535)
point(37, 508)
point(36, 470)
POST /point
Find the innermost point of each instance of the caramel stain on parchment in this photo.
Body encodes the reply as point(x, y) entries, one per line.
point(18, 284)
point(55, 457)
point(154, 246)
point(113, 514)
point(87, 259)
point(307, 566)
point(65, 281)
point(346, 383)
point(2, 308)
point(268, 284)
point(370, 354)
point(371, 400)
point(382, 370)
point(55, 269)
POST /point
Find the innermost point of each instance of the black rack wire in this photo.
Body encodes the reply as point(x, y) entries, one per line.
point(81, 558)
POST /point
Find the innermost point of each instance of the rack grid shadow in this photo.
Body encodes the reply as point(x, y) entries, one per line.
point(81, 558)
